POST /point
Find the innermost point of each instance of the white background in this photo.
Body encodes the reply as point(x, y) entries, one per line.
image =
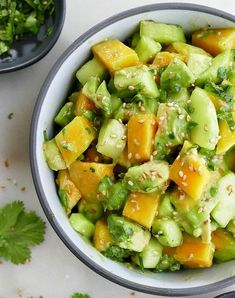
point(53, 271)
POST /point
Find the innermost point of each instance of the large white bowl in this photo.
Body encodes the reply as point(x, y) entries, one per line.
point(53, 93)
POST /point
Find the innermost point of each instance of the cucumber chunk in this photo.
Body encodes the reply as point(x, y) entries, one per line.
point(132, 80)
point(176, 76)
point(82, 225)
point(127, 234)
point(150, 256)
point(198, 63)
point(53, 156)
point(224, 60)
point(91, 68)
point(162, 33)
point(206, 132)
point(167, 232)
point(112, 138)
point(65, 115)
point(147, 48)
point(165, 208)
point(225, 209)
point(91, 210)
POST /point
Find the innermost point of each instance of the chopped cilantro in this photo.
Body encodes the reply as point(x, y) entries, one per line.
point(222, 73)
point(213, 191)
point(80, 295)
point(19, 229)
point(10, 116)
point(18, 18)
point(92, 169)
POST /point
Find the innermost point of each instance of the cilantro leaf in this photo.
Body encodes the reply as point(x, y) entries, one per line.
point(79, 295)
point(19, 229)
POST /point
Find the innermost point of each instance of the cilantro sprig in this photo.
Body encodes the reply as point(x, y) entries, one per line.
point(19, 230)
point(79, 295)
point(18, 18)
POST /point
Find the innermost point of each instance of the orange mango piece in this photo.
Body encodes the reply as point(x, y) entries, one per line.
point(193, 253)
point(92, 155)
point(101, 238)
point(115, 55)
point(190, 173)
point(83, 104)
point(141, 208)
point(65, 183)
point(215, 41)
point(170, 251)
point(141, 131)
point(87, 176)
point(163, 59)
point(75, 138)
point(227, 139)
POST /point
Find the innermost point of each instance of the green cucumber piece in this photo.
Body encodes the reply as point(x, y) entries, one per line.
point(82, 225)
point(206, 132)
point(163, 33)
point(147, 48)
point(91, 68)
point(112, 138)
point(165, 208)
point(167, 232)
point(150, 256)
point(176, 76)
point(91, 210)
point(198, 63)
point(53, 156)
point(127, 234)
point(65, 115)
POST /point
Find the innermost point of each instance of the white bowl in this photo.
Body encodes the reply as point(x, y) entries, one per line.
point(55, 90)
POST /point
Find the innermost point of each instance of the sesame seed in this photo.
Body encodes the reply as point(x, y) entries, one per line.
point(136, 142)
point(137, 156)
point(181, 116)
point(161, 118)
point(141, 121)
point(154, 152)
point(206, 127)
point(153, 122)
point(120, 85)
point(188, 118)
point(130, 183)
point(184, 177)
point(142, 109)
point(151, 157)
point(118, 146)
point(178, 157)
point(184, 183)
point(139, 103)
point(200, 210)
point(229, 189)
point(96, 159)
point(124, 105)
point(113, 136)
point(190, 256)
point(191, 169)
point(129, 155)
point(124, 137)
point(131, 87)
point(120, 120)
point(170, 104)
point(181, 174)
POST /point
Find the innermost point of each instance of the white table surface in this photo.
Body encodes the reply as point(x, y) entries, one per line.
point(53, 272)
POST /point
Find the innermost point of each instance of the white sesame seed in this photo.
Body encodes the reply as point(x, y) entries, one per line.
point(151, 157)
point(188, 118)
point(181, 174)
point(130, 183)
point(129, 155)
point(142, 108)
point(154, 152)
point(184, 183)
point(181, 116)
point(131, 87)
point(206, 127)
point(113, 135)
point(137, 156)
point(136, 142)
point(118, 146)
point(141, 121)
point(161, 118)
point(124, 105)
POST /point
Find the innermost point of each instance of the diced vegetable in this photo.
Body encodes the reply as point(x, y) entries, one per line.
point(198, 63)
point(112, 138)
point(163, 59)
point(115, 55)
point(65, 115)
point(53, 156)
point(101, 238)
point(141, 131)
point(224, 245)
point(149, 177)
point(91, 68)
point(162, 33)
point(141, 208)
point(150, 256)
point(147, 48)
point(203, 113)
point(75, 138)
point(215, 41)
point(69, 194)
point(82, 225)
point(127, 234)
point(91, 210)
point(83, 104)
point(165, 209)
point(87, 176)
point(167, 232)
point(187, 49)
point(189, 172)
point(227, 138)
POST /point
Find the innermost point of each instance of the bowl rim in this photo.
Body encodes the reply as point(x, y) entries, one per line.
point(59, 22)
point(35, 171)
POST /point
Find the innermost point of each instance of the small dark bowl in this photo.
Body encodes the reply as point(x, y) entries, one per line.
point(31, 49)
point(227, 295)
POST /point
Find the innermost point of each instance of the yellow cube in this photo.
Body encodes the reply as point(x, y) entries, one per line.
point(141, 132)
point(193, 253)
point(73, 194)
point(141, 208)
point(115, 55)
point(87, 176)
point(83, 104)
point(75, 138)
point(227, 139)
point(190, 173)
point(101, 238)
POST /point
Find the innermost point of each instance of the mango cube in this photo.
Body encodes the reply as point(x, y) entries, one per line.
point(193, 253)
point(65, 184)
point(83, 104)
point(101, 238)
point(87, 176)
point(227, 139)
point(141, 132)
point(115, 55)
point(141, 208)
point(75, 138)
point(190, 173)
